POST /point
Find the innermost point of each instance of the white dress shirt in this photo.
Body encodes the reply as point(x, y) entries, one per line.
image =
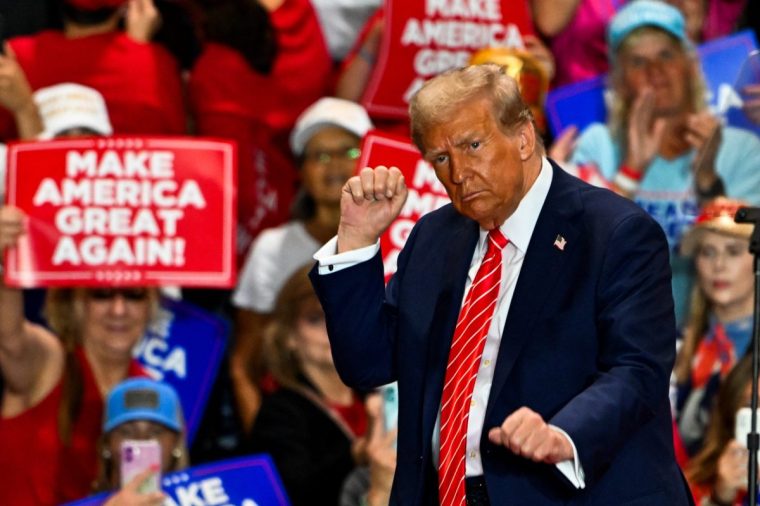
point(518, 228)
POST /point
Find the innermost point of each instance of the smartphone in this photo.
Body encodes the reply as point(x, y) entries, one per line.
point(136, 457)
point(390, 406)
point(743, 421)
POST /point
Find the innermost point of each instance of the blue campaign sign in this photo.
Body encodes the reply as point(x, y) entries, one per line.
point(749, 76)
point(578, 104)
point(184, 348)
point(246, 481)
point(582, 103)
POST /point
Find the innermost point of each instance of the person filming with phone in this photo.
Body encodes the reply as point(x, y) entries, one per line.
point(143, 439)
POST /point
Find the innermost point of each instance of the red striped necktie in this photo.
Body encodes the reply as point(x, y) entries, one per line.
point(462, 369)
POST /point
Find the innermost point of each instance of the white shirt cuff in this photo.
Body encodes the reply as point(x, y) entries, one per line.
point(571, 469)
point(332, 261)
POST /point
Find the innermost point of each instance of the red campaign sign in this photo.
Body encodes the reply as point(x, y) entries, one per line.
point(124, 211)
point(426, 193)
point(423, 39)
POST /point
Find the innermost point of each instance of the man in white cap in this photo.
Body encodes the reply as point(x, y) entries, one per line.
point(72, 110)
point(326, 141)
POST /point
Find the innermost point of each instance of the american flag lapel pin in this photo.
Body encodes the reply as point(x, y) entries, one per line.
point(560, 242)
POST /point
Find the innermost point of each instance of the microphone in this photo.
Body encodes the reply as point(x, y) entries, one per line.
point(747, 215)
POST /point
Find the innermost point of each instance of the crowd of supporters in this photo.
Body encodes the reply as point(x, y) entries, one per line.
point(285, 80)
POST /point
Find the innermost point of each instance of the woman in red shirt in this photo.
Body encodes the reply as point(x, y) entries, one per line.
point(54, 381)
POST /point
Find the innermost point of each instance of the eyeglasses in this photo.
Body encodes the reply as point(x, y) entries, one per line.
point(128, 294)
point(325, 156)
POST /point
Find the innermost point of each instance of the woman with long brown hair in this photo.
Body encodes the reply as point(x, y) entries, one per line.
point(720, 320)
point(718, 473)
point(313, 425)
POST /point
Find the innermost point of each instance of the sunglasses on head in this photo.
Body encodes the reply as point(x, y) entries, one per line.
point(130, 294)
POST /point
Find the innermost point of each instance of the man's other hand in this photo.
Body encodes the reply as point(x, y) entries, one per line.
point(526, 434)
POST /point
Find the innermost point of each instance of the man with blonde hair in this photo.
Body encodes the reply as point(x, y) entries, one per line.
point(529, 324)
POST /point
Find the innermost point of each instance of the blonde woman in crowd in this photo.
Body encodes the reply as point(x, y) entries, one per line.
point(55, 380)
point(661, 146)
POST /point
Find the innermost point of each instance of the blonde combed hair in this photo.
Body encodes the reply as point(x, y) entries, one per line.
point(441, 96)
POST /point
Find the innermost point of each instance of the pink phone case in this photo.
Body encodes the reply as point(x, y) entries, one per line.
point(136, 457)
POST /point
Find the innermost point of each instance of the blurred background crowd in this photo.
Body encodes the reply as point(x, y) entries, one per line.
point(285, 79)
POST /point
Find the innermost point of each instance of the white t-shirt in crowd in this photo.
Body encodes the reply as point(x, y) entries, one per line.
point(274, 256)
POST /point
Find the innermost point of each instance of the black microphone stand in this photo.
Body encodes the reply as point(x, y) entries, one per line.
point(752, 215)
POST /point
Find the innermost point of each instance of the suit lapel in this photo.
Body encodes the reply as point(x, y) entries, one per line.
point(540, 271)
point(456, 262)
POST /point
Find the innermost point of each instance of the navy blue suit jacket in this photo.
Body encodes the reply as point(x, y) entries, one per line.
point(589, 344)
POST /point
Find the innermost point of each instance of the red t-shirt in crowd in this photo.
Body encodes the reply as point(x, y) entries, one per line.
point(229, 99)
point(140, 82)
point(36, 469)
point(354, 415)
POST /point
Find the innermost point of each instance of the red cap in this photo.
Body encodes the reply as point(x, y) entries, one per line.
point(716, 216)
point(93, 5)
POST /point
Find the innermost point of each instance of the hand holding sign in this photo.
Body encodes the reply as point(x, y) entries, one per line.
point(11, 227)
point(15, 92)
point(369, 204)
point(142, 20)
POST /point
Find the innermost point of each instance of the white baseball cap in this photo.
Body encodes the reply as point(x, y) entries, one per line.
point(70, 105)
point(328, 111)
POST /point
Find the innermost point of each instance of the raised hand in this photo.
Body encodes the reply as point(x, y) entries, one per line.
point(142, 20)
point(369, 204)
point(15, 92)
point(381, 453)
point(525, 433)
point(704, 134)
point(564, 145)
point(541, 53)
point(11, 227)
point(644, 132)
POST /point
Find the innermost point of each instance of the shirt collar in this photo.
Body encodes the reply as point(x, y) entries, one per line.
point(518, 228)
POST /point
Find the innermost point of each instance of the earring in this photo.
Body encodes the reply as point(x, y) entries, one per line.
point(106, 454)
point(177, 453)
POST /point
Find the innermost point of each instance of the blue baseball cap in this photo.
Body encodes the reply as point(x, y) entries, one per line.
point(142, 399)
point(645, 13)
